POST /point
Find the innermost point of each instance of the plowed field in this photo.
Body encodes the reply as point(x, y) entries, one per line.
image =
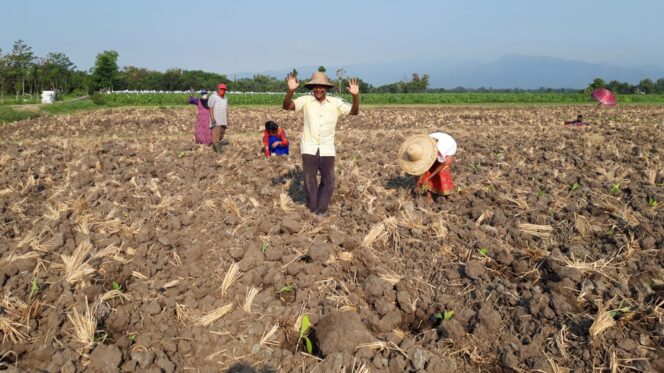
point(126, 247)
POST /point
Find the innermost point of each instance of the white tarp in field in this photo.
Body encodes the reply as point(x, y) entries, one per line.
point(48, 97)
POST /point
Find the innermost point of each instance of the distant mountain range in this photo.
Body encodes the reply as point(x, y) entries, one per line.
point(509, 71)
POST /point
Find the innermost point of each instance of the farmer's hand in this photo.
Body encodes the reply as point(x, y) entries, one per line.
point(353, 87)
point(275, 144)
point(292, 82)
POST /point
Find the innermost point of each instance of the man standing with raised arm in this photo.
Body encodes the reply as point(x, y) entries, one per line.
point(218, 104)
point(317, 143)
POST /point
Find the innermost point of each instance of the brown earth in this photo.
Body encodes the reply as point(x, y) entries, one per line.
point(126, 247)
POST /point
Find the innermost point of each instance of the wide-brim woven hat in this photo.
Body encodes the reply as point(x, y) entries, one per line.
point(319, 78)
point(417, 154)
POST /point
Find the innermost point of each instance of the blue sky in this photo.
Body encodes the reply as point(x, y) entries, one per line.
point(227, 37)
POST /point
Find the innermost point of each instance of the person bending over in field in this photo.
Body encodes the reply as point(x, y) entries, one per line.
point(431, 157)
point(317, 143)
point(202, 132)
point(218, 116)
point(274, 139)
point(577, 122)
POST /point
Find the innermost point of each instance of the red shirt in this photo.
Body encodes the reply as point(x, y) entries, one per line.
point(281, 134)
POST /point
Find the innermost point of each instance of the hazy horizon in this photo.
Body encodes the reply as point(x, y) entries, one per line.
point(259, 36)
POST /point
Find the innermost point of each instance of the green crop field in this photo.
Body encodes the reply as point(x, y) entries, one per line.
point(171, 99)
point(10, 113)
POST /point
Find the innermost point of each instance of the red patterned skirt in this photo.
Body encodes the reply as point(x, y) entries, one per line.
point(441, 183)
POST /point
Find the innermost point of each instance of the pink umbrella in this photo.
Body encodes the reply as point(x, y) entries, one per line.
point(604, 97)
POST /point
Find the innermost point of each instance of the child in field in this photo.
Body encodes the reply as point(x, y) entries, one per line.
point(431, 157)
point(275, 140)
point(577, 122)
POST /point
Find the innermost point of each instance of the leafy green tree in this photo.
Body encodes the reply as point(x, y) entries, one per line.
point(659, 86)
point(597, 83)
point(259, 83)
point(3, 74)
point(341, 75)
point(199, 79)
point(322, 69)
point(56, 68)
point(647, 86)
point(19, 62)
point(172, 80)
point(105, 73)
point(416, 84)
point(154, 80)
point(620, 87)
point(81, 82)
point(133, 78)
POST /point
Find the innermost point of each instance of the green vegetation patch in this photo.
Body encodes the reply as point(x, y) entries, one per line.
point(8, 115)
point(444, 98)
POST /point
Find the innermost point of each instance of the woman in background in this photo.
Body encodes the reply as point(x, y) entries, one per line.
point(202, 131)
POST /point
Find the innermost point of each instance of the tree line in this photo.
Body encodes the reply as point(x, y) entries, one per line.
point(24, 73)
point(645, 86)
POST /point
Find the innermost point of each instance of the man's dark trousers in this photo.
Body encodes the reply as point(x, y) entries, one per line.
point(318, 196)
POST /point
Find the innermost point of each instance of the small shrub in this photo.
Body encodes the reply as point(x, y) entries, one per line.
point(99, 99)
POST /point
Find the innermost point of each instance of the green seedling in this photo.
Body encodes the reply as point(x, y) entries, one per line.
point(500, 156)
point(264, 246)
point(458, 189)
point(540, 192)
point(575, 186)
point(132, 338)
point(304, 330)
point(484, 251)
point(619, 311)
point(125, 215)
point(181, 154)
point(652, 202)
point(286, 289)
point(615, 189)
point(444, 316)
point(34, 287)
point(116, 286)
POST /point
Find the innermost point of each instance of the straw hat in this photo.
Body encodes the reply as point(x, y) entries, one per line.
point(417, 154)
point(319, 78)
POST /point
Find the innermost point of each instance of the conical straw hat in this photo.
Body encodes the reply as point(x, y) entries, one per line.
point(417, 154)
point(319, 78)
